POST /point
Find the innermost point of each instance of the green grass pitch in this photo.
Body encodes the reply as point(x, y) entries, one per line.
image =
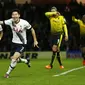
point(38, 75)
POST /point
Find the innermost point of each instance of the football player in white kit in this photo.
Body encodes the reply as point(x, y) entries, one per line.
point(19, 27)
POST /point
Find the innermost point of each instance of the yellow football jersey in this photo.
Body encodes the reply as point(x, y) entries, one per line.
point(56, 23)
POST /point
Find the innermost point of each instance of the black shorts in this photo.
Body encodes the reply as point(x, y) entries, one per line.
point(17, 48)
point(56, 39)
point(82, 41)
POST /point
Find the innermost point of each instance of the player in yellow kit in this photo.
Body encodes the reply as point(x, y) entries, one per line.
point(81, 23)
point(58, 29)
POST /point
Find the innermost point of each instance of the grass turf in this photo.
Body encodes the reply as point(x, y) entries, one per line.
point(38, 75)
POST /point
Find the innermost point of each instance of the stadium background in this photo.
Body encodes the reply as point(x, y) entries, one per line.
point(74, 72)
point(33, 11)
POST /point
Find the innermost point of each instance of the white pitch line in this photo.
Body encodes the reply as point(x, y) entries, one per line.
point(74, 69)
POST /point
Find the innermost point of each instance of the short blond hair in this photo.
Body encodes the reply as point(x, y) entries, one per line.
point(54, 8)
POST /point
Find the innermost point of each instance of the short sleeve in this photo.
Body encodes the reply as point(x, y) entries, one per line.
point(27, 25)
point(8, 22)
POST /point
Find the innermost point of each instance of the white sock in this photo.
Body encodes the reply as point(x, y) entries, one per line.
point(23, 60)
point(12, 65)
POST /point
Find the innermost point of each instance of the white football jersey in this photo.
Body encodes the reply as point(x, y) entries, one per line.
point(1, 28)
point(19, 28)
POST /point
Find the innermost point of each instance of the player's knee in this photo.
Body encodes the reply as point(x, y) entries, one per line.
point(14, 58)
point(16, 55)
point(54, 48)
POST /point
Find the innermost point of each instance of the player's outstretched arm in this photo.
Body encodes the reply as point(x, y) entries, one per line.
point(34, 38)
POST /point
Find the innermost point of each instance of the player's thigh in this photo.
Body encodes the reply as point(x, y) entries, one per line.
point(16, 55)
point(56, 42)
point(17, 51)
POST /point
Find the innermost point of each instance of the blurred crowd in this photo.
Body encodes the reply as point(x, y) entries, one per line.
point(35, 15)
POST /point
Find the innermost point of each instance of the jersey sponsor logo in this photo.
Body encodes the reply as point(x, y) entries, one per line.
point(17, 29)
